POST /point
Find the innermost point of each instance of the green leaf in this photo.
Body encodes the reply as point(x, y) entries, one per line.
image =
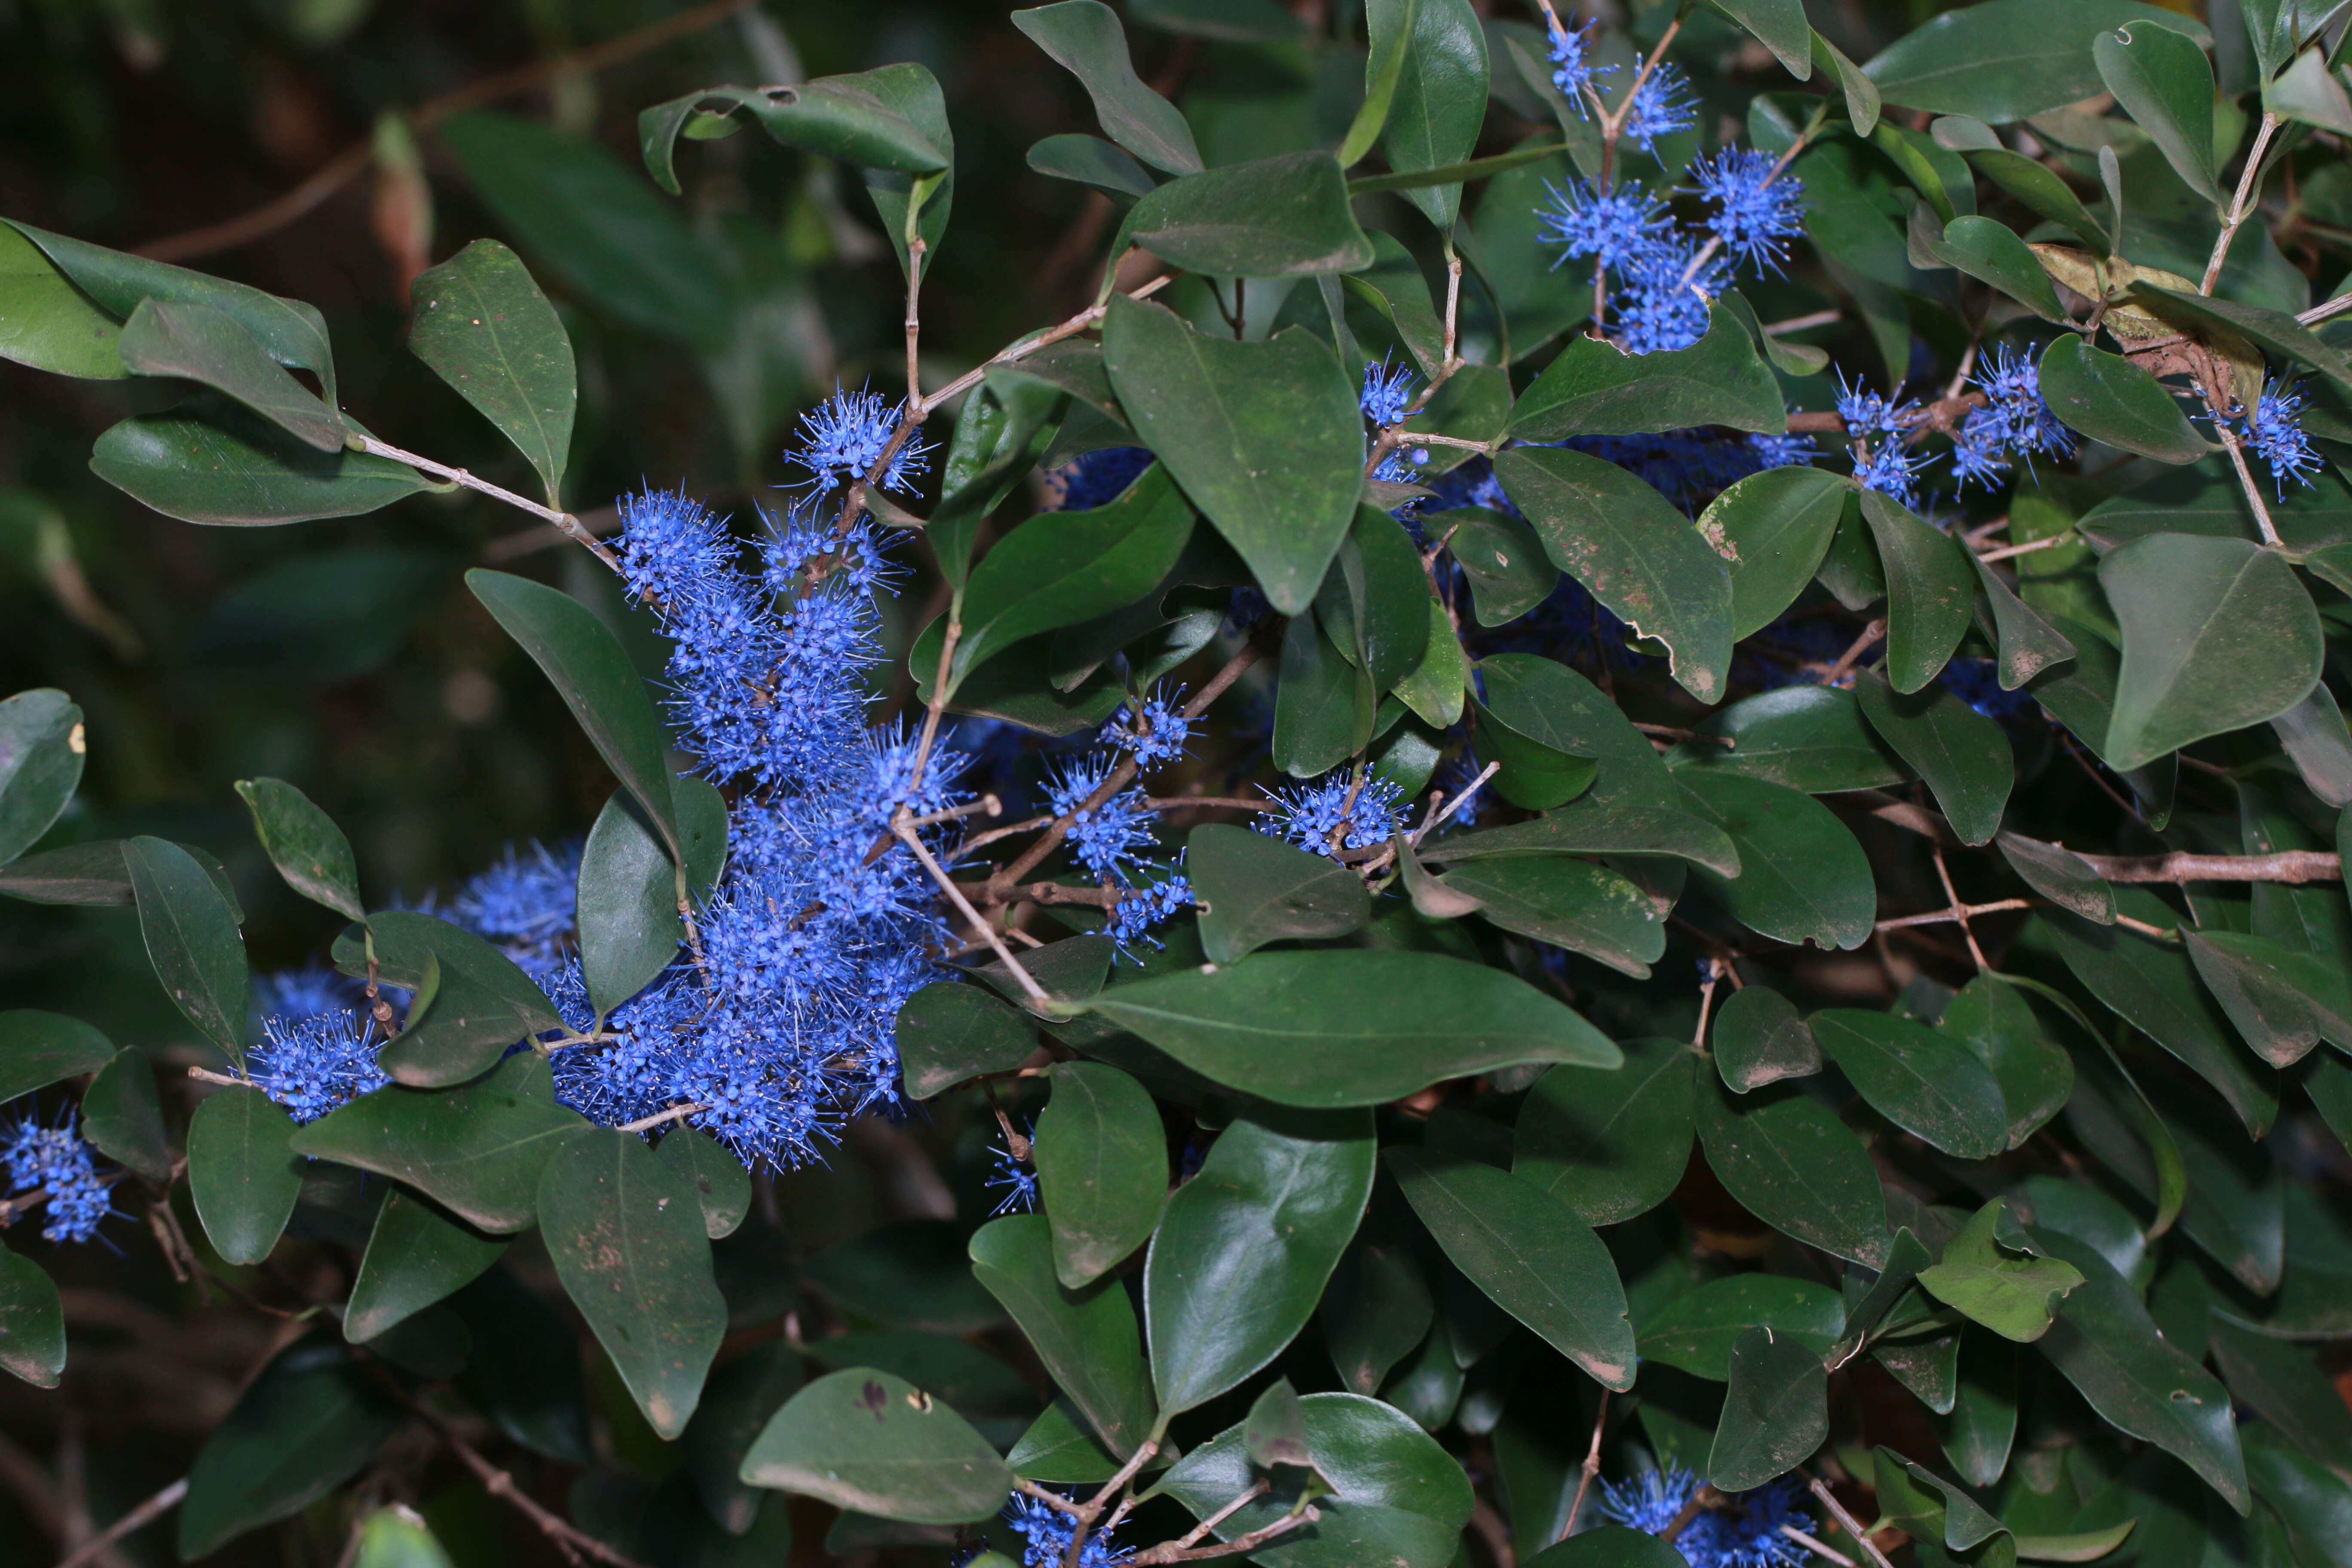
point(1926, 1507)
point(1698, 1330)
point(1802, 876)
point(998, 436)
point(202, 343)
point(1285, 217)
point(1993, 1021)
point(1254, 889)
point(1925, 1082)
point(2110, 399)
point(1809, 738)
point(591, 671)
point(1610, 1145)
point(2028, 643)
point(2107, 1345)
point(1794, 1166)
point(416, 1254)
point(1777, 525)
point(1375, 600)
point(1509, 574)
point(241, 1172)
point(912, 93)
point(121, 1114)
point(1064, 567)
point(2314, 736)
point(1618, 827)
point(863, 1440)
point(1595, 388)
point(480, 321)
point(1102, 1162)
point(2060, 875)
point(2217, 635)
point(37, 1050)
point(41, 754)
point(1779, 25)
point(2008, 1289)
point(1242, 1252)
point(1090, 160)
point(31, 1322)
point(1057, 1449)
point(309, 1423)
point(397, 1537)
point(833, 117)
point(1350, 1027)
point(741, 1395)
point(1573, 904)
point(1963, 756)
point(1323, 709)
point(1527, 1251)
point(477, 1150)
point(590, 220)
point(1085, 40)
point(1086, 1336)
point(1775, 1414)
point(1265, 438)
point(192, 940)
point(1375, 1311)
point(1533, 711)
point(409, 943)
point(1440, 104)
point(1982, 1428)
point(721, 1186)
point(627, 1240)
point(91, 872)
point(1544, 701)
point(629, 889)
point(1632, 552)
point(47, 323)
point(213, 463)
point(910, 1273)
point(1607, 1546)
point(1992, 252)
point(949, 1032)
point(2284, 1385)
point(1437, 688)
point(2007, 59)
point(303, 842)
point(2162, 81)
point(2313, 1501)
point(1390, 24)
point(1930, 589)
point(2284, 1001)
point(1759, 1040)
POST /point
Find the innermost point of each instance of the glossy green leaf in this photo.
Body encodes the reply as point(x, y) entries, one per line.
point(1056, 1447)
point(41, 754)
point(713, 1174)
point(196, 342)
point(2008, 1289)
point(2060, 875)
point(831, 116)
point(1779, 25)
point(1992, 254)
point(861, 1438)
point(1611, 1145)
point(37, 1050)
point(1544, 701)
point(1525, 726)
point(1930, 589)
point(1802, 876)
point(2109, 399)
point(1254, 889)
point(482, 324)
point(627, 1240)
point(2311, 1501)
point(1616, 828)
point(1925, 1082)
point(408, 942)
point(1963, 756)
point(1242, 1252)
point(2105, 1345)
point(2007, 59)
point(1090, 160)
point(1570, 903)
point(628, 923)
point(1809, 738)
point(31, 1322)
point(1284, 217)
point(1595, 388)
point(1928, 1507)
point(211, 462)
point(2283, 1001)
point(1375, 1311)
point(912, 93)
point(1775, 1414)
point(303, 842)
point(1759, 1040)
point(1993, 1022)
point(1698, 1330)
point(1530, 1253)
point(949, 1032)
point(1084, 38)
point(416, 1254)
point(2315, 738)
point(998, 436)
point(1440, 103)
point(241, 1172)
point(1061, 568)
point(1388, 24)
point(1794, 1166)
point(2217, 635)
point(47, 323)
point(1633, 552)
point(1102, 1167)
point(122, 1115)
point(2284, 1385)
point(477, 1150)
point(1437, 688)
point(593, 673)
point(1323, 709)
point(191, 937)
point(1086, 1336)
point(1375, 600)
point(1508, 571)
point(2164, 83)
point(1265, 438)
point(1400, 1499)
point(1982, 1430)
point(1607, 1546)
point(740, 1396)
point(308, 1423)
point(1350, 1028)
point(1775, 527)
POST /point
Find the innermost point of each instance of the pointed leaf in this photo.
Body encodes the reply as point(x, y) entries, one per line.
point(1802, 876)
point(1775, 1414)
point(242, 1173)
point(41, 753)
point(1793, 1165)
point(1595, 388)
point(2110, 399)
point(2007, 59)
point(211, 462)
point(1777, 525)
point(1810, 737)
point(1086, 1336)
point(2010, 1291)
point(1922, 1081)
point(37, 1050)
point(303, 842)
point(1963, 756)
point(192, 940)
point(1759, 1040)
point(1440, 103)
point(2164, 83)
point(416, 1254)
point(482, 324)
point(1930, 587)
point(1084, 38)
point(200, 343)
point(1102, 1167)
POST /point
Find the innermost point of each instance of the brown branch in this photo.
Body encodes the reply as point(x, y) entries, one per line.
point(1591, 1470)
point(572, 1541)
point(2286, 865)
point(1847, 1522)
point(353, 161)
point(138, 1518)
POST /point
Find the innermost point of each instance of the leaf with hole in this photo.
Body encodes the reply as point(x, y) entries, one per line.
point(862, 1438)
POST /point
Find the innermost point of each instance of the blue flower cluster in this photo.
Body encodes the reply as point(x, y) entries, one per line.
point(1387, 391)
point(1573, 70)
point(1745, 1533)
point(1112, 837)
point(55, 1161)
point(528, 905)
point(844, 437)
point(1017, 1177)
point(2273, 431)
point(2015, 423)
point(1665, 276)
point(313, 1063)
point(1327, 815)
point(1049, 1532)
point(1098, 477)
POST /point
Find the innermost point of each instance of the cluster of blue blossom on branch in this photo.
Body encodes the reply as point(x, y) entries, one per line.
point(52, 1165)
point(1744, 1530)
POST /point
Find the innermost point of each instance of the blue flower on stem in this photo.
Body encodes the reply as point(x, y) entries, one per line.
point(1017, 1177)
point(1608, 224)
point(2274, 432)
point(1867, 414)
point(1668, 291)
point(56, 1163)
point(1147, 904)
point(314, 1065)
point(1110, 836)
point(1386, 388)
point(1758, 209)
point(1746, 1530)
point(1155, 730)
point(844, 437)
point(527, 904)
point(1312, 815)
point(1573, 70)
point(1663, 104)
point(1049, 1532)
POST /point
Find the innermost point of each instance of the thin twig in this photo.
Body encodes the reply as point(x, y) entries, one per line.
point(2284, 866)
point(980, 925)
point(1816, 1547)
point(664, 1117)
point(1846, 1520)
point(1939, 916)
point(2246, 479)
point(138, 1518)
point(1489, 772)
point(2246, 178)
point(2028, 547)
point(1871, 633)
point(563, 520)
point(572, 1541)
point(1959, 910)
point(1591, 1470)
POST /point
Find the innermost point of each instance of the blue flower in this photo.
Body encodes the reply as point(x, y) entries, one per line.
point(1017, 1177)
point(1311, 815)
point(1892, 470)
point(844, 437)
point(1742, 1531)
point(1110, 836)
point(1095, 477)
point(1867, 414)
point(1147, 903)
point(300, 993)
point(527, 904)
point(1756, 210)
point(1662, 105)
point(314, 1065)
point(2274, 432)
point(1049, 1532)
point(57, 1162)
point(1155, 729)
point(1386, 387)
point(1663, 302)
point(2014, 422)
point(1609, 224)
point(1571, 61)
